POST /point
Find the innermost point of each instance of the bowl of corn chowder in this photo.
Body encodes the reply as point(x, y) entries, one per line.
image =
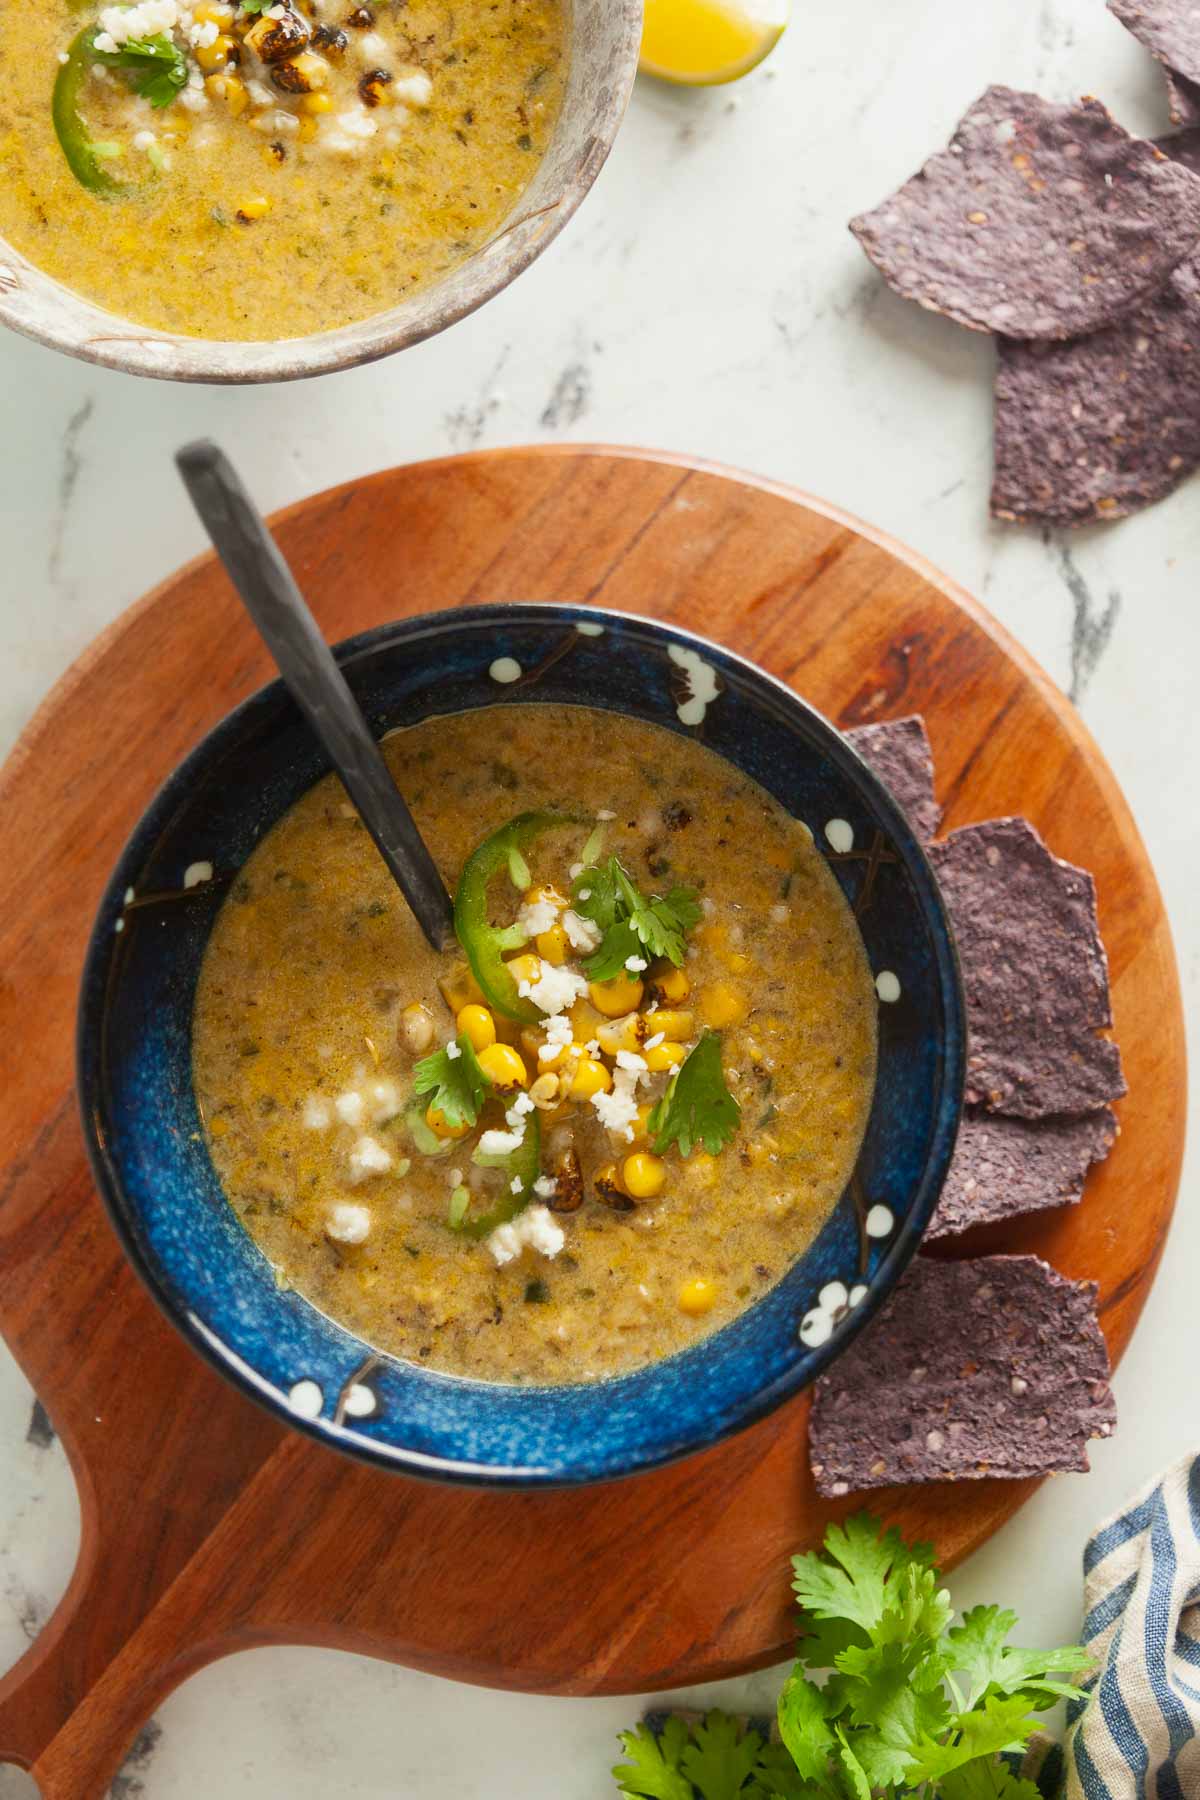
point(611, 1177)
point(227, 190)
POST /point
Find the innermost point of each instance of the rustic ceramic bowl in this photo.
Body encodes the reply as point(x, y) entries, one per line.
point(153, 1168)
point(604, 40)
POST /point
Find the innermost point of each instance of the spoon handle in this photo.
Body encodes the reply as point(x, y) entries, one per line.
point(270, 595)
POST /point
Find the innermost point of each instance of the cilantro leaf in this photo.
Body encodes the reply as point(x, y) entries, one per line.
point(1002, 1723)
point(991, 1780)
point(157, 64)
point(651, 1771)
point(457, 1083)
point(697, 1107)
point(631, 921)
point(805, 1729)
point(980, 1651)
point(859, 1577)
point(721, 1757)
point(250, 7)
point(897, 1701)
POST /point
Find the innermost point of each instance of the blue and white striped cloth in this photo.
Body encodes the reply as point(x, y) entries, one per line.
point(1138, 1735)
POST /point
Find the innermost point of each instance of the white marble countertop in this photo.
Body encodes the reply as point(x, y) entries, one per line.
point(707, 299)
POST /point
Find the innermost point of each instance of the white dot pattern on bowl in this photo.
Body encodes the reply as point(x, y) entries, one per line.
point(306, 1400)
point(505, 669)
point(887, 986)
point(839, 835)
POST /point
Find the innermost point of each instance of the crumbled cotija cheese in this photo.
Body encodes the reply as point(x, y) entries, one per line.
point(348, 1223)
point(555, 988)
point(583, 933)
point(558, 1036)
point(318, 1114)
point(537, 916)
point(501, 1143)
point(350, 1108)
point(368, 1157)
point(535, 1228)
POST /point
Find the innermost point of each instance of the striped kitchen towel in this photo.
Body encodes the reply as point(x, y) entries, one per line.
point(1138, 1734)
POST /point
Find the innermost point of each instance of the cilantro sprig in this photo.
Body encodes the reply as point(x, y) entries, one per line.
point(697, 1107)
point(911, 1704)
point(632, 923)
point(458, 1085)
point(157, 65)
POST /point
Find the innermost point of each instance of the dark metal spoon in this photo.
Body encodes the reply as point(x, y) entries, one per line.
point(265, 586)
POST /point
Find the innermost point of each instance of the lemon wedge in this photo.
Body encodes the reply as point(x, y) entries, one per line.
point(699, 43)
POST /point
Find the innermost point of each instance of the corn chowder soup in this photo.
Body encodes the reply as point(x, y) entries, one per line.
point(603, 1129)
point(235, 169)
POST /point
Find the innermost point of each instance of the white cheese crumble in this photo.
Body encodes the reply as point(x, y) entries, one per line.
point(453, 1051)
point(416, 89)
point(501, 1143)
point(635, 964)
point(545, 1187)
point(203, 37)
point(142, 140)
point(118, 24)
point(372, 48)
point(555, 988)
point(535, 1228)
point(350, 1108)
point(617, 1110)
point(368, 1157)
point(318, 1114)
point(629, 1059)
point(652, 1043)
point(522, 1104)
point(261, 95)
point(516, 1185)
point(537, 916)
point(384, 1097)
point(558, 1036)
point(583, 933)
point(348, 1223)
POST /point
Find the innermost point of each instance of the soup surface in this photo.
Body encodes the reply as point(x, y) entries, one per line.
point(658, 1144)
point(318, 162)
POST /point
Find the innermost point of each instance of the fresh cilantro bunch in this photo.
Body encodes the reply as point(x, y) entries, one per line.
point(697, 1107)
point(632, 923)
point(912, 1705)
point(157, 65)
point(457, 1083)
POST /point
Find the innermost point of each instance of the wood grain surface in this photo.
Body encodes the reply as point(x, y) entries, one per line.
point(207, 1527)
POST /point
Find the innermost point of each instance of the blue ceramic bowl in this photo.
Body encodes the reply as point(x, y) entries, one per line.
point(148, 1152)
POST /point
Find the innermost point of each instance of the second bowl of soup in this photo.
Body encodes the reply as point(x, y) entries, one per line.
point(615, 1174)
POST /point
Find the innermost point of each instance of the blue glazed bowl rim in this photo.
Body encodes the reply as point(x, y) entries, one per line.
point(260, 705)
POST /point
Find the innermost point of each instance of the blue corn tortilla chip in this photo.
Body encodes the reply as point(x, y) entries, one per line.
point(991, 1367)
point(1183, 100)
point(1034, 972)
point(1105, 425)
point(1169, 29)
point(1004, 1167)
point(1037, 221)
point(898, 751)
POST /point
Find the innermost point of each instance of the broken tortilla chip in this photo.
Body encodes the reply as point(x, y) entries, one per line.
point(1169, 29)
point(992, 1367)
point(898, 751)
point(1104, 426)
point(1003, 1167)
point(1038, 220)
point(1034, 972)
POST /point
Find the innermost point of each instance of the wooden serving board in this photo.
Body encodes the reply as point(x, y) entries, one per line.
point(208, 1527)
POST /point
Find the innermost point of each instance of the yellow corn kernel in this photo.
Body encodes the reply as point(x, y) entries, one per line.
point(257, 206)
point(628, 1033)
point(669, 983)
point(641, 1125)
point(722, 1005)
point(460, 988)
point(308, 128)
point(546, 892)
point(610, 1188)
point(664, 1056)
point(214, 56)
point(738, 963)
point(677, 1025)
point(585, 1021)
point(620, 995)
point(697, 1297)
point(645, 1175)
point(478, 1025)
point(545, 1092)
point(590, 1077)
point(503, 1067)
point(209, 13)
point(234, 95)
point(525, 968)
point(316, 103)
point(532, 1042)
point(440, 1126)
point(713, 933)
point(552, 945)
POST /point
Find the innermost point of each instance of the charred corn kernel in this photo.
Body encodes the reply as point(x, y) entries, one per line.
point(669, 983)
point(677, 1025)
point(525, 967)
point(316, 103)
point(697, 1297)
point(589, 1077)
point(610, 1188)
point(620, 995)
point(503, 1067)
point(664, 1056)
point(256, 206)
point(629, 1033)
point(552, 945)
point(738, 963)
point(721, 1005)
point(440, 1126)
point(645, 1176)
point(308, 129)
point(477, 1023)
point(211, 57)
